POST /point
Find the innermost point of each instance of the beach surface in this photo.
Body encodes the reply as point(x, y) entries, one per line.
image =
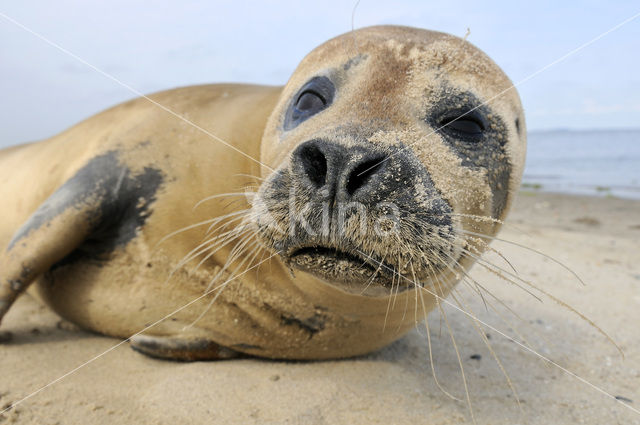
point(597, 238)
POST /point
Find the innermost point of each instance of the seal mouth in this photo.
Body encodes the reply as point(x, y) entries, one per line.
point(344, 266)
point(333, 254)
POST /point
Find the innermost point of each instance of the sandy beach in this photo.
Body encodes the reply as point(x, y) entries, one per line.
point(598, 238)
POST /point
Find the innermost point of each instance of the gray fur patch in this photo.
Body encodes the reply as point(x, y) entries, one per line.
point(487, 152)
point(118, 201)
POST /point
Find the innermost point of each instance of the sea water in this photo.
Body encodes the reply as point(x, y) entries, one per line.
point(594, 162)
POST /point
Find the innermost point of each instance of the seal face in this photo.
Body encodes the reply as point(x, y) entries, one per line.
point(389, 159)
point(389, 148)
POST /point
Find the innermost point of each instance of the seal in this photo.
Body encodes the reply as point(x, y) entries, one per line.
point(383, 168)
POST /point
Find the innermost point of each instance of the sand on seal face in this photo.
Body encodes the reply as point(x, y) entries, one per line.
point(599, 238)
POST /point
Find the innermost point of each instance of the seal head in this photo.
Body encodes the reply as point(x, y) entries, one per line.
point(390, 145)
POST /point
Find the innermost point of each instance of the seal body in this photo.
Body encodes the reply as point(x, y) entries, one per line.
point(375, 166)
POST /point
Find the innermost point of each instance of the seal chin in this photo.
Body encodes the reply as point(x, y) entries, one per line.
point(346, 268)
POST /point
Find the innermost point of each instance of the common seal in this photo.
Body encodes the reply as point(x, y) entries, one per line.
point(387, 148)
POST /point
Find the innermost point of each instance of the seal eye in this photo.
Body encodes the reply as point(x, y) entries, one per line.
point(469, 125)
point(309, 102)
point(315, 96)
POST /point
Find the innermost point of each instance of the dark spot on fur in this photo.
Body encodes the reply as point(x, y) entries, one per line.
point(312, 325)
point(243, 346)
point(15, 284)
point(118, 204)
point(356, 60)
point(485, 151)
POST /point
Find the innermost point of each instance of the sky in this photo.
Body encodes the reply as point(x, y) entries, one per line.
point(155, 45)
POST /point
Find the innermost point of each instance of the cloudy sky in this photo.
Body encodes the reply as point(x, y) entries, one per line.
point(154, 45)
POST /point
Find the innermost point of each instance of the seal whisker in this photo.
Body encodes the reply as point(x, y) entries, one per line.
point(456, 269)
point(212, 244)
point(478, 327)
point(395, 294)
point(486, 264)
point(511, 278)
point(226, 216)
point(471, 314)
point(406, 304)
point(221, 195)
point(184, 229)
point(565, 305)
point(375, 273)
point(194, 253)
point(210, 221)
point(237, 228)
point(248, 259)
point(415, 280)
point(507, 323)
point(564, 266)
point(484, 245)
point(243, 238)
point(216, 242)
point(498, 253)
point(386, 316)
point(203, 247)
point(236, 252)
point(430, 349)
point(251, 176)
point(504, 274)
point(477, 287)
point(443, 314)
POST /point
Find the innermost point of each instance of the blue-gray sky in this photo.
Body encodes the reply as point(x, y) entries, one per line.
point(154, 45)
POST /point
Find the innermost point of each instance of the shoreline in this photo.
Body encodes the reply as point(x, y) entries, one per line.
point(613, 192)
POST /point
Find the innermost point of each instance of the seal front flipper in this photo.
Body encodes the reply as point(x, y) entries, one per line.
point(97, 210)
point(181, 349)
point(50, 234)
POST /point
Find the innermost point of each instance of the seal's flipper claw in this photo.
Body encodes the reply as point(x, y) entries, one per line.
point(181, 349)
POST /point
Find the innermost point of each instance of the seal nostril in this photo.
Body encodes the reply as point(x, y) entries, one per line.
point(362, 173)
point(315, 164)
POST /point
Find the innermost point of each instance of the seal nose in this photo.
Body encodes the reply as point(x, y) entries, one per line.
point(342, 171)
point(362, 173)
point(314, 163)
